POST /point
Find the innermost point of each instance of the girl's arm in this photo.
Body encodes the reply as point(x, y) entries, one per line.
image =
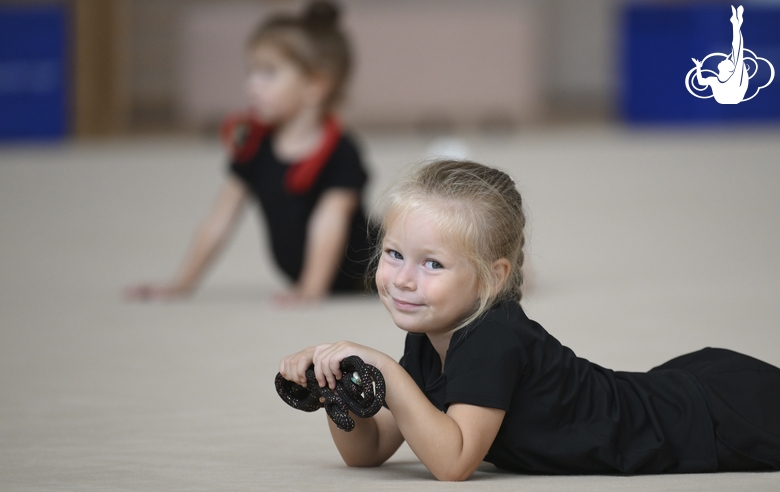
point(327, 235)
point(372, 442)
point(210, 237)
point(451, 445)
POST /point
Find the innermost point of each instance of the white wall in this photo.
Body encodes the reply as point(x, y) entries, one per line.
point(187, 54)
point(583, 45)
point(416, 62)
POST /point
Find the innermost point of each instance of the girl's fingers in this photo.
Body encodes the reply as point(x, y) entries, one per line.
point(319, 351)
point(316, 353)
point(137, 293)
point(334, 364)
point(285, 369)
point(154, 292)
point(326, 360)
point(320, 354)
point(327, 363)
point(322, 379)
point(301, 368)
point(293, 298)
point(293, 368)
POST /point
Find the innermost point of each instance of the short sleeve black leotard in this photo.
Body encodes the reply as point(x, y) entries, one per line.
point(287, 214)
point(565, 414)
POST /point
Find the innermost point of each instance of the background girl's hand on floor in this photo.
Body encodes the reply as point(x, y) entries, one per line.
point(296, 298)
point(155, 292)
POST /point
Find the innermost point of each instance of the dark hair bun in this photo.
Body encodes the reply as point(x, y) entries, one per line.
point(321, 15)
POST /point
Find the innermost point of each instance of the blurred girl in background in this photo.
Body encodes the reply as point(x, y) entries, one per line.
point(291, 155)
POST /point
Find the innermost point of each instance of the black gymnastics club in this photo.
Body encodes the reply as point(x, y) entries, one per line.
point(361, 390)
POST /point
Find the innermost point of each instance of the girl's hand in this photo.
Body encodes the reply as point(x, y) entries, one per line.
point(327, 360)
point(155, 292)
point(293, 367)
point(696, 62)
point(295, 298)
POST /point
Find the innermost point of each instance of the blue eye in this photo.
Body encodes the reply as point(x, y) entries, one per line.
point(433, 264)
point(394, 254)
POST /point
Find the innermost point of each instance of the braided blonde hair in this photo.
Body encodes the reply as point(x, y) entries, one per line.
point(476, 207)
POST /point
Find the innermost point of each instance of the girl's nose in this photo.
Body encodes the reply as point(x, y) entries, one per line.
point(404, 278)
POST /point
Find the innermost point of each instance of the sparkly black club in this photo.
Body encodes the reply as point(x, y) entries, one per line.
point(360, 390)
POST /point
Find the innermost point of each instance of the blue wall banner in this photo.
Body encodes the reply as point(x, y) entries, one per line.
point(33, 72)
point(678, 63)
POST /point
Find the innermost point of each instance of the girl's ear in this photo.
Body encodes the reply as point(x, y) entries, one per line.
point(501, 270)
point(318, 89)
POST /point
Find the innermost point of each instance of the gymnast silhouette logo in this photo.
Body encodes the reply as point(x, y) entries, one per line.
point(730, 84)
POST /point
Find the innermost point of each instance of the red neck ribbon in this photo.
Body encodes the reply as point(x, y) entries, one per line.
point(301, 175)
point(243, 135)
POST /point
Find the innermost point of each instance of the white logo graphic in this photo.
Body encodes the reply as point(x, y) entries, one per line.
point(730, 84)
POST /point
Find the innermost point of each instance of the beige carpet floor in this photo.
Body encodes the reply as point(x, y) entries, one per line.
point(644, 244)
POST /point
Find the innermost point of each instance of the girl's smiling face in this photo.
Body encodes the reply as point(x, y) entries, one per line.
point(425, 283)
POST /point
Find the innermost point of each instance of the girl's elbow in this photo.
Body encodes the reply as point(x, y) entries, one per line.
point(453, 474)
point(361, 458)
point(361, 462)
point(454, 477)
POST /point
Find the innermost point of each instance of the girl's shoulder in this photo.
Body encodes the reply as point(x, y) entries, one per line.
point(241, 135)
point(504, 331)
point(344, 167)
point(506, 324)
point(348, 149)
point(504, 316)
